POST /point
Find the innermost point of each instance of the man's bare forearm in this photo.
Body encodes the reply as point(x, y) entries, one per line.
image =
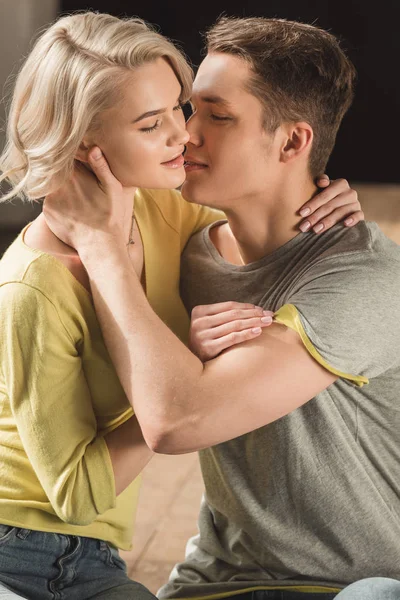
point(181, 404)
point(154, 367)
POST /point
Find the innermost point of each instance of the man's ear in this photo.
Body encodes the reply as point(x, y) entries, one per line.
point(298, 140)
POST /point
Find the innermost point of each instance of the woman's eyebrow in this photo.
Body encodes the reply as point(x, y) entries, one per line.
point(151, 113)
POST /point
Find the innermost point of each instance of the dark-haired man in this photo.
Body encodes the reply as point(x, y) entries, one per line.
point(300, 457)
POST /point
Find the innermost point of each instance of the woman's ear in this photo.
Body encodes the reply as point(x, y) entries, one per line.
point(83, 151)
point(298, 141)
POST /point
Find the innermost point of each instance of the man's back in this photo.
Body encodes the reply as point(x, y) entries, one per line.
point(314, 497)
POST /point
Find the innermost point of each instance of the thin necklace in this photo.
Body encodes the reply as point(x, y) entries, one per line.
point(131, 240)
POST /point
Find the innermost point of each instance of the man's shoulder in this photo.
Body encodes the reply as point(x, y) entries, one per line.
point(363, 245)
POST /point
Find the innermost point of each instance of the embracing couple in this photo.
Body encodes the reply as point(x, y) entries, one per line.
point(290, 384)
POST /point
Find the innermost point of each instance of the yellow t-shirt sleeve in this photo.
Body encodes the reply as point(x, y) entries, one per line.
point(288, 315)
point(51, 404)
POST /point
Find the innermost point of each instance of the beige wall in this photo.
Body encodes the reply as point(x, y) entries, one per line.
point(20, 20)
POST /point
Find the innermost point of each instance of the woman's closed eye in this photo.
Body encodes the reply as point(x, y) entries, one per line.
point(157, 124)
point(152, 128)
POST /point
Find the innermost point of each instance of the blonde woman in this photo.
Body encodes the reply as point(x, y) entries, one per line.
point(71, 449)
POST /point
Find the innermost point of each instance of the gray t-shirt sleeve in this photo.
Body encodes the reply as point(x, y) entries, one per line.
point(349, 309)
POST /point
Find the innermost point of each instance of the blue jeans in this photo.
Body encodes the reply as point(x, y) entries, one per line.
point(50, 566)
point(374, 588)
point(282, 595)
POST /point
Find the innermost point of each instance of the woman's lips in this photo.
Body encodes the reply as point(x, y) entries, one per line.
point(175, 163)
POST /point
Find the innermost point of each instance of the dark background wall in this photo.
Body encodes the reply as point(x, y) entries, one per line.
point(368, 143)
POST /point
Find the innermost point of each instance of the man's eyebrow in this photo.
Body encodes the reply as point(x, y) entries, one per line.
point(215, 100)
point(152, 113)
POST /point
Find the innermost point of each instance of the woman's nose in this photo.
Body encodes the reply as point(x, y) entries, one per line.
point(180, 133)
point(193, 130)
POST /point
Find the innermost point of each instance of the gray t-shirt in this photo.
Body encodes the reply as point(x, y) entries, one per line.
point(313, 498)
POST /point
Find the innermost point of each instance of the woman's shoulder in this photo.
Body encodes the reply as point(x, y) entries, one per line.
point(40, 238)
point(39, 263)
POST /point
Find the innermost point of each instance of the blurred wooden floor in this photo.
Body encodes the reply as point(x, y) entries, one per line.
point(166, 518)
point(172, 486)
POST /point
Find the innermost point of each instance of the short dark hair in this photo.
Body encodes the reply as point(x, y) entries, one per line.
point(299, 73)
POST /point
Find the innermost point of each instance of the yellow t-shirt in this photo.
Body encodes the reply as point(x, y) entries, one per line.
point(59, 393)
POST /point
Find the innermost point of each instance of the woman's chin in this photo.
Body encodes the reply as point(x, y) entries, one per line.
point(170, 180)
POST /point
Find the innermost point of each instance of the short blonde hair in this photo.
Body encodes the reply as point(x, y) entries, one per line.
point(73, 73)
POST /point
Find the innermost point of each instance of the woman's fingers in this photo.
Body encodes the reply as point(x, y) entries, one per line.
point(344, 200)
point(236, 326)
point(328, 209)
point(355, 218)
point(101, 169)
point(337, 189)
point(215, 347)
point(337, 216)
point(323, 181)
point(215, 327)
point(213, 309)
point(235, 315)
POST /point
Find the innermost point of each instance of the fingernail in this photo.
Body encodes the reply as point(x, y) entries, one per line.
point(305, 226)
point(305, 211)
point(267, 313)
point(256, 330)
point(266, 319)
point(318, 228)
point(96, 153)
point(349, 221)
